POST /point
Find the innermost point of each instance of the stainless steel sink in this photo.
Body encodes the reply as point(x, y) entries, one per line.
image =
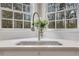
point(39, 43)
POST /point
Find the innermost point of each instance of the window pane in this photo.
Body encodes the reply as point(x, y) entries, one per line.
point(51, 7)
point(26, 8)
point(51, 16)
point(60, 16)
point(71, 23)
point(26, 3)
point(60, 24)
point(27, 25)
point(18, 24)
point(51, 4)
point(60, 12)
point(61, 6)
point(26, 17)
point(18, 16)
point(71, 14)
point(51, 24)
point(7, 14)
point(71, 5)
point(6, 23)
point(17, 6)
point(6, 5)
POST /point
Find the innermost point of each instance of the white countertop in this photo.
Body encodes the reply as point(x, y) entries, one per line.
point(13, 42)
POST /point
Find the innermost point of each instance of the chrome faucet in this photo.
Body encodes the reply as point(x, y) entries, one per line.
point(33, 28)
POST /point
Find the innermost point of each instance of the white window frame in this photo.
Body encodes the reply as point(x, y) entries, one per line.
point(63, 20)
point(7, 9)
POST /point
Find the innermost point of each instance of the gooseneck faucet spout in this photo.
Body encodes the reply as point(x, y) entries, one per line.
point(33, 28)
point(35, 13)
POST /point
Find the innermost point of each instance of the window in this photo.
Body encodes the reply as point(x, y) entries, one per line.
point(64, 16)
point(51, 7)
point(26, 8)
point(18, 16)
point(7, 23)
point(51, 16)
point(71, 23)
point(17, 6)
point(60, 24)
point(61, 6)
point(71, 14)
point(26, 3)
point(71, 5)
point(7, 14)
point(27, 17)
point(18, 24)
point(60, 16)
point(6, 5)
point(15, 15)
point(51, 24)
point(27, 24)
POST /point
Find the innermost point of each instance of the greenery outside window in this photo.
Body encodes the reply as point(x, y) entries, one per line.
point(60, 15)
point(26, 8)
point(27, 24)
point(17, 6)
point(65, 15)
point(71, 23)
point(27, 17)
point(71, 14)
point(51, 7)
point(51, 16)
point(7, 14)
point(51, 24)
point(18, 24)
point(71, 5)
point(15, 15)
point(7, 23)
point(18, 16)
point(6, 5)
point(60, 24)
point(61, 6)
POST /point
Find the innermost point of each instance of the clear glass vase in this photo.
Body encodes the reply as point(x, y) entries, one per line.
point(41, 32)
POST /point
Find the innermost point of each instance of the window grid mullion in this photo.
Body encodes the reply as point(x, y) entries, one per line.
point(0, 17)
point(23, 16)
point(13, 16)
point(65, 18)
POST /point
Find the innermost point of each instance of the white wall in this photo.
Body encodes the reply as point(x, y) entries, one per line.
point(27, 33)
point(16, 33)
point(63, 34)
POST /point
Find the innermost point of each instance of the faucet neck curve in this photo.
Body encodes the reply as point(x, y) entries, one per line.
point(35, 13)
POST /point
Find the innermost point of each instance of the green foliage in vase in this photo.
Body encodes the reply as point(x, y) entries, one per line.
point(40, 23)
